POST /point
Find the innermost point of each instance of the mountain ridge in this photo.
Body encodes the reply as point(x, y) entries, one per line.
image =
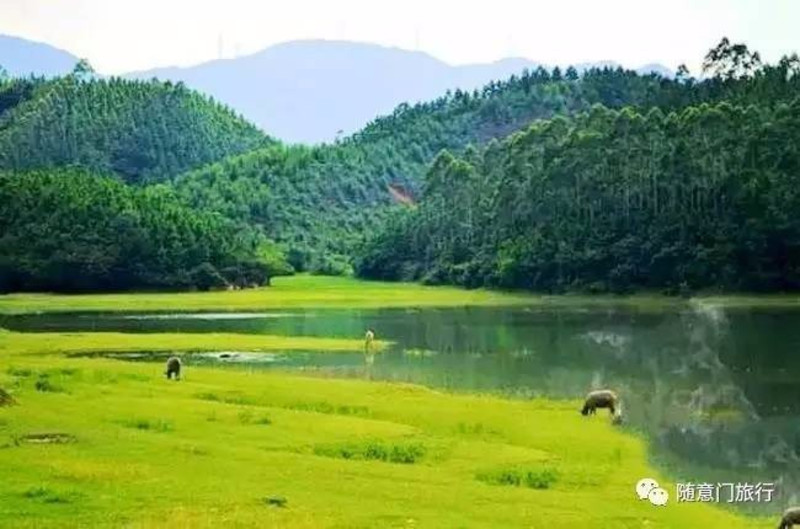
point(308, 91)
point(22, 57)
point(361, 81)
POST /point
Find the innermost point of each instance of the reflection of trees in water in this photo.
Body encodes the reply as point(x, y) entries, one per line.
point(699, 413)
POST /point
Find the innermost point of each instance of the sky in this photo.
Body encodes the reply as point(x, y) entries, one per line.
point(119, 36)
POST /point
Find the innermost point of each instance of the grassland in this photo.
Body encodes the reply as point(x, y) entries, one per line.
point(305, 291)
point(95, 442)
point(112, 341)
point(301, 291)
point(215, 449)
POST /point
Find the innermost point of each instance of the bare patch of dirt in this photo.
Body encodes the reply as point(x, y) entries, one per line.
point(47, 438)
point(401, 195)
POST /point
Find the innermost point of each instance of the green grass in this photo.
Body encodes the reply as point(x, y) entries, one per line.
point(301, 291)
point(87, 342)
point(306, 291)
point(210, 450)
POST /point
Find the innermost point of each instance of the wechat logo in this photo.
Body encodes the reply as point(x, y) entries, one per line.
point(648, 489)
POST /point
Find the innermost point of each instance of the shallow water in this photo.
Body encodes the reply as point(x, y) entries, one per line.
point(717, 392)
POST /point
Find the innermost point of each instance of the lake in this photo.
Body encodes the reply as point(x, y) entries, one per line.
point(717, 393)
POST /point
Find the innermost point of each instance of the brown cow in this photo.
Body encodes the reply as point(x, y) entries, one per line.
point(603, 398)
point(173, 367)
point(791, 517)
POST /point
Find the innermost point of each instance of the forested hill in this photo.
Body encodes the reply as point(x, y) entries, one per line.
point(141, 131)
point(70, 230)
point(321, 201)
point(616, 181)
point(619, 199)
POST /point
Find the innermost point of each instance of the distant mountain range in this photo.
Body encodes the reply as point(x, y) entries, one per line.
point(306, 91)
point(21, 58)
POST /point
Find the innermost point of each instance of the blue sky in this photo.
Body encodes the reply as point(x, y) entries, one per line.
point(124, 35)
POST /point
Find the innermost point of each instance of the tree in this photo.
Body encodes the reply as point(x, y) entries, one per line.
point(274, 260)
point(83, 70)
point(682, 74)
point(731, 61)
point(571, 74)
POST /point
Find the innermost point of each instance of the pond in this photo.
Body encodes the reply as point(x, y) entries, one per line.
point(717, 393)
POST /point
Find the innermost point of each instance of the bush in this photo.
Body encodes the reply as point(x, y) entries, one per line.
point(402, 453)
point(158, 425)
point(205, 277)
point(44, 385)
point(541, 478)
point(331, 266)
point(47, 495)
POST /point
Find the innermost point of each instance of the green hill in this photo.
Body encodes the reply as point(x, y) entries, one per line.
point(617, 200)
point(142, 131)
point(320, 201)
point(69, 230)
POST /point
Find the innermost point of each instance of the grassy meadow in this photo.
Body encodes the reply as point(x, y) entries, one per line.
point(95, 442)
point(304, 291)
point(300, 291)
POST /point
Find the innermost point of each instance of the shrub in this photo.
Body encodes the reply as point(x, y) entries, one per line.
point(47, 495)
point(205, 277)
point(403, 453)
point(157, 425)
point(44, 385)
point(331, 266)
point(540, 478)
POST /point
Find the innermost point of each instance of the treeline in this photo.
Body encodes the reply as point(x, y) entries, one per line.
point(142, 131)
point(70, 230)
point(611, 200)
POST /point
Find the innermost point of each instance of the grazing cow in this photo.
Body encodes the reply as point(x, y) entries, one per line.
point(173, 367)
point(791, 517)
point(604, 398)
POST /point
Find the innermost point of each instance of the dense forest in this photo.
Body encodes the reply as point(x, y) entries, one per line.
point(142, 131)
point(70, 230)
point(696, 197)
point(608, 180)
point(321, 201)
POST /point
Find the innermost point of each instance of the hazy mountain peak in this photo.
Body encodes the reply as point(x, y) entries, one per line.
point(310, 90)
point(22, 57)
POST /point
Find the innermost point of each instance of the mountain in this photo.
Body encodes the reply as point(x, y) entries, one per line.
point(309, 91)
point(313, 91)
point(21, 58)
point(142, 131)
